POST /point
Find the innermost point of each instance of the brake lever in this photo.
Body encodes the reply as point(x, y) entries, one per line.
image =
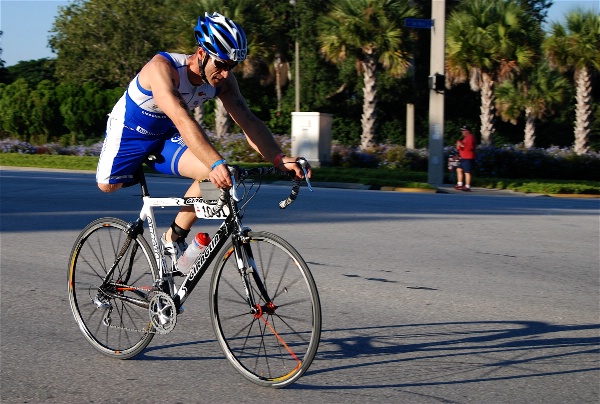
point(302, 163)
point(234, 193)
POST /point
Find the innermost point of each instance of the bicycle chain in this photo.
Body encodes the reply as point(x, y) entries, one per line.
point(149, 329)
point(145, 331)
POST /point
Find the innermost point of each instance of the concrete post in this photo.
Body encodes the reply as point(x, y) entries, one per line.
point(410, 126)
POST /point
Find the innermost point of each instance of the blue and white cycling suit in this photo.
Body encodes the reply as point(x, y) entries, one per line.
point(137, 127)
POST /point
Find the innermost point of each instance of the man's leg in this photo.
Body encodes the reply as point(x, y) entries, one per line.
point(467, 170)
point(186, 217)
point(109, 187)
point(459, 175)
point(189, 166)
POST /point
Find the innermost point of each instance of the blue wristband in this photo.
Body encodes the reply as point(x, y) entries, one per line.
point(218, 163)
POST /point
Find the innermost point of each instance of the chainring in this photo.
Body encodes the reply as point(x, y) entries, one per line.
point(162, 311)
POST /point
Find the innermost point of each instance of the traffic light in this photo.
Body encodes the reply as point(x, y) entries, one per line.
point(437, 82)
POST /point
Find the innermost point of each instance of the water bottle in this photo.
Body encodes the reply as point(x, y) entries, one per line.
point(195, 248)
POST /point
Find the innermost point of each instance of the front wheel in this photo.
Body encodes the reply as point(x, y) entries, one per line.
point(274, 342)
point(112, 315)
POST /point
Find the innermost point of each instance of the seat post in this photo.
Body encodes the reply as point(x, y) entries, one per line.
point(142, 178)
point(143, 184)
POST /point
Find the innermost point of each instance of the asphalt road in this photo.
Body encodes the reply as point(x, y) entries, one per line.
point(427, 298)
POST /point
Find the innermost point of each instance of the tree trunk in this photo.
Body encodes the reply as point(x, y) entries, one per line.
point(278, 65)
point(487, 109)
point(367, 139)
point(222, 122)
point(583, 111)
point(199, 115)
point(529, 128)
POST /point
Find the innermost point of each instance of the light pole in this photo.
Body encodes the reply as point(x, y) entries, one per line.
point(436, 94)
point(296, 60)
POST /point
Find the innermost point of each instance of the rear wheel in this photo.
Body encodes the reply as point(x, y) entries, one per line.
point(113, 318)
point(273, 343)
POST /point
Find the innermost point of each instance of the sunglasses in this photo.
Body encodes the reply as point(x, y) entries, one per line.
point(222, 65)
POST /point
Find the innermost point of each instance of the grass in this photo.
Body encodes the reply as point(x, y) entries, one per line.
point(375, 177)
point(551, 187)
point(372, 176)
point(49, 161)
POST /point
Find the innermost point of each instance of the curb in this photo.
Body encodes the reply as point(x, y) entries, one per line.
point(347, 185)
point(508, 192)
point(418, 190)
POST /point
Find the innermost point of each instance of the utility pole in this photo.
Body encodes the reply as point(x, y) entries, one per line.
point(435, 173)
point(296, 60)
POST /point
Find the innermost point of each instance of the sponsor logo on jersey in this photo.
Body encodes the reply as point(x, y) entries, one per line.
point(145, 132)
point(178, 139)
point(151, 115)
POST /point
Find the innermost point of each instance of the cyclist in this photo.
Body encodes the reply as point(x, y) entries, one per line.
point(153, 117)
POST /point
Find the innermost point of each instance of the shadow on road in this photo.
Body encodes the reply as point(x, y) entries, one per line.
point(400, 356)
point(453, 353)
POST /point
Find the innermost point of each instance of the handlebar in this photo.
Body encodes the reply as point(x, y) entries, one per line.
point(296, 185)
point(243, 173)
point(238, 175)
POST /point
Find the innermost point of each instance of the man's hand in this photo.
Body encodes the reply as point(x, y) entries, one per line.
point(220, 176)
point(289, 164)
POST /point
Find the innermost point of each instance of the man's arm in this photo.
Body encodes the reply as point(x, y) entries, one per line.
point(257, 133)
point(259, 136)
point(160, 77)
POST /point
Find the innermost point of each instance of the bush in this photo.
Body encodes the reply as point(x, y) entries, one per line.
point(382, 156)
point(235, 147)
point(17, 146)
point(552, 163)
point(506, 162)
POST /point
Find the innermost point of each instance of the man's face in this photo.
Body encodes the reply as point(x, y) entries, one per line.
point(216, 70)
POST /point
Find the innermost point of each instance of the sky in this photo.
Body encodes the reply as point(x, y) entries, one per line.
point(26, 25)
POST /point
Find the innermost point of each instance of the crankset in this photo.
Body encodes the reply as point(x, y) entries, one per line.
point(163, 313)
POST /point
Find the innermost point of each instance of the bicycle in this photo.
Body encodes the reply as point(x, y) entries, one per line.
point(264, 304)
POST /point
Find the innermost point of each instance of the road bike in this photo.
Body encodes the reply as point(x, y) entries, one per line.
point(264, 303)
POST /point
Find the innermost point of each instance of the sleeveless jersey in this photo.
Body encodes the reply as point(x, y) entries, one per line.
point(138, 107)
point(137, 127)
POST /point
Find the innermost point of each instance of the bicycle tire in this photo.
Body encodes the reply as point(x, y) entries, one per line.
point(274, 349)
point(92, 256)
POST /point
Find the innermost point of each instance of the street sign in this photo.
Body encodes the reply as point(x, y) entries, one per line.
point(418, 23)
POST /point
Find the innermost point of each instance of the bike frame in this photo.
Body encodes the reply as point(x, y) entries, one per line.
point(227, 209)
point(231, 227)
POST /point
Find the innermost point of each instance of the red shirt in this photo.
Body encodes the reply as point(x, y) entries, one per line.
point(467, 150)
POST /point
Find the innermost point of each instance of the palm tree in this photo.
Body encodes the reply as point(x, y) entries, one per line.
point(489, 41)
point(537, 93)
point(575, 47)
point(371, 31)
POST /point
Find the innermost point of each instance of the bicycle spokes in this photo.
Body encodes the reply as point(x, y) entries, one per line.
point(273, 341)
point(109, 296)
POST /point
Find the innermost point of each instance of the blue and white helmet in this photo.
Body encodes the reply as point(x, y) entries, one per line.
point(221, 37)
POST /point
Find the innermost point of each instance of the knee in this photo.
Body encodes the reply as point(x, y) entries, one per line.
point(109, 187)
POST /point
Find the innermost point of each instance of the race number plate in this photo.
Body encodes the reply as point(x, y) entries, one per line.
point(203, 211)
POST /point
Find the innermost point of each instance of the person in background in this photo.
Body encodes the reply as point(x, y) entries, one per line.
point(466, 151)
